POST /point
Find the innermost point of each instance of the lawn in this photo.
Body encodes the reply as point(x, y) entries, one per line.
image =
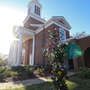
point(81, 81)
point(74, 83)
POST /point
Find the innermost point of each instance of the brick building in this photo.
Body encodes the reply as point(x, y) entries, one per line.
point(33, 37)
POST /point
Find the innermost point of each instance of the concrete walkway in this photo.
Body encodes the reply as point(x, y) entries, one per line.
point(18, 84)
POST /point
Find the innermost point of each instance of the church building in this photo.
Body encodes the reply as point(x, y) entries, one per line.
point(33, 37)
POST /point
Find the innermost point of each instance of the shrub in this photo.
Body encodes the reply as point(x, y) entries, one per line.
point(23, 72)
point(56, 55)
point(16, 73)
point(10, 73)
point(2, 76)
point(47, 69)
point(39, 70)
point(3, 60)
point(84, 73)
point(2, 69)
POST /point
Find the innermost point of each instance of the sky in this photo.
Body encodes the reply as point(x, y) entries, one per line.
point(13, 12)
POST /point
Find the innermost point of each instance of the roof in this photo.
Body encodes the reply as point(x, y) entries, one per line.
point(33, 16)
point(61, 20)
point(57, 20)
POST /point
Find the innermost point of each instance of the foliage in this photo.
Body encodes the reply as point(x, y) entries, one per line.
point(2, 76)
point(43, 70)
point(23, 72)
point(57, 55)
point(2, 60)
point(9, 73)
point(16, 73)
point(39, 70)
point(84, 73)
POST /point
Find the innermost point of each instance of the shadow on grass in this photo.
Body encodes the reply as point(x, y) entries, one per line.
point(43, 86)
point(76, 83)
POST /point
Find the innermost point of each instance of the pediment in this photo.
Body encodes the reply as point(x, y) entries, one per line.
point(62, 21)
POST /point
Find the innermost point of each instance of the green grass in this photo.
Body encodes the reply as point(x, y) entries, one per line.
point(44, 86)
point(74, 83)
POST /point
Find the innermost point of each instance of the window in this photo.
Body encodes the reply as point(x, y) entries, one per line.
point(37, 10)
point(62, 35)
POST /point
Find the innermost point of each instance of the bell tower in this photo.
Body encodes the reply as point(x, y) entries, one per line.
point(34, 8)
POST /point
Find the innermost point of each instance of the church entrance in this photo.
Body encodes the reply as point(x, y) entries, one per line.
point(87, 57)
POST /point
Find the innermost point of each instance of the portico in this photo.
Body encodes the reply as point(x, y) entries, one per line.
point(17, 52)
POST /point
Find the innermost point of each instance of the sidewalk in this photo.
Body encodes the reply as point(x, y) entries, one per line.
point(18, 84)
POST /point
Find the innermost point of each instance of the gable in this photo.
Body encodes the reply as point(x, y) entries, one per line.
point(57, 20)
point(62, 21)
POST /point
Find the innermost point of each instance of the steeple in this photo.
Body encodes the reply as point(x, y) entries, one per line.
point(34, 8)
point(34, 0)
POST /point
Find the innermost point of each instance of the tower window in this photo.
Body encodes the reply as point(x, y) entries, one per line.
point(37, 10)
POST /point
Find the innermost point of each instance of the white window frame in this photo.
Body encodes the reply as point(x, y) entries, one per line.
point(62, 38)
point(37, 10)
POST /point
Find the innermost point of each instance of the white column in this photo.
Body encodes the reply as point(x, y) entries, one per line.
point(33, 50)
point(12, 54)
point(19, 51)
point(15, 54)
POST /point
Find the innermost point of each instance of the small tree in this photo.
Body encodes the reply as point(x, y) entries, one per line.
point(56, 55)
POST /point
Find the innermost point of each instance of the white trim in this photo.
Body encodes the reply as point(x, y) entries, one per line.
point(65, 21)
point(19, 52)
point(35, 2)
point(12, 58)
point(30, 59)
point(69, 39)
point(50, 23)
point(33, 50)
point(61, 26)
point(35, 17)
point(22, 30)
point(60, 32)
point(44, 26)
point(36, 25)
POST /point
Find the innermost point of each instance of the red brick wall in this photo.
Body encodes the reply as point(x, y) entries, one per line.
point(38, 48)
point(42, 41)
point(84, 43)
point(28, 50)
